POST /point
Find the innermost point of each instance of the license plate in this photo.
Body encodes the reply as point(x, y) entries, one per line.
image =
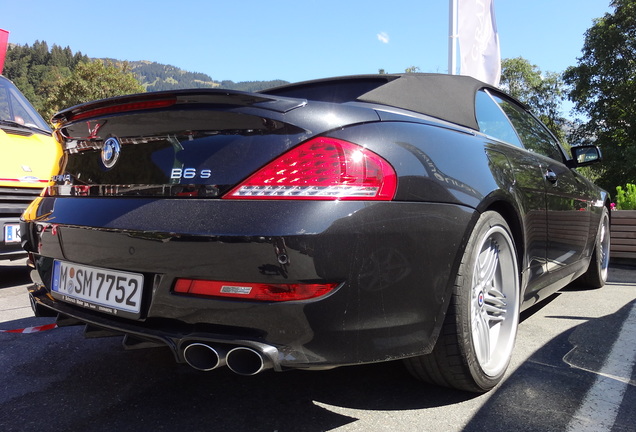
point(12, 233)
point(103, 290)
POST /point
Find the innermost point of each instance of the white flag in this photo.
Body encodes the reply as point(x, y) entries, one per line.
point(478, 40)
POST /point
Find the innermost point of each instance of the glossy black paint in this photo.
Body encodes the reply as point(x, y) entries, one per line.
point(220, 147)
point(388, 274)
point(395, 262)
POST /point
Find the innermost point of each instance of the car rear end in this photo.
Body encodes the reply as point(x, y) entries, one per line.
point(253, 230)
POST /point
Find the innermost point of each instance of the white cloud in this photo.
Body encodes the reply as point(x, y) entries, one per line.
point(383, 37)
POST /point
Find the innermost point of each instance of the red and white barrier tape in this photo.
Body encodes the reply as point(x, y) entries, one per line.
point(31, 329)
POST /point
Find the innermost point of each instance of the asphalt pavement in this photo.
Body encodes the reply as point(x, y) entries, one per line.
point(573, 369)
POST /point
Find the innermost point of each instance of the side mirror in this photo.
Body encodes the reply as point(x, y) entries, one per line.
point(584, 155)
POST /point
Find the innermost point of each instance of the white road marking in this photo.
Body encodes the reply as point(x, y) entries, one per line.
point(602, 402)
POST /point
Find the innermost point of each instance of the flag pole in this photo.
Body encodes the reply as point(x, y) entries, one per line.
point(452, 38)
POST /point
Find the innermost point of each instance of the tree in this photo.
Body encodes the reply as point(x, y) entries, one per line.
point(542, 92)
point(91, 81)
point(36, 71)
point(603, 87)
point(40, 53)
point(59, 57)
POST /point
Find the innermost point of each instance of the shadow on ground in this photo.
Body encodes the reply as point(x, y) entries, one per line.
point(59, 380)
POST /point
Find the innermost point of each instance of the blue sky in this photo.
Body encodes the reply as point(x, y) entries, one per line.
point(295, 40)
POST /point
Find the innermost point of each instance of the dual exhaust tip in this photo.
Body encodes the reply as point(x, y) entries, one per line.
point(241, 360)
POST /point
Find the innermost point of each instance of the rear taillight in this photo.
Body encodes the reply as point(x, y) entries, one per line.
point(323, 169)
point(252, 291)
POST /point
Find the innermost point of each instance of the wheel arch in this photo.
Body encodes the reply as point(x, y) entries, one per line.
point(513, 218)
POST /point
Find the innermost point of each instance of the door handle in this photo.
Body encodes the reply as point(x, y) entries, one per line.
point(551, 176)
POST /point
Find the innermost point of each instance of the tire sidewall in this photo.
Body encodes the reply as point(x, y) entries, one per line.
point(596, 276)
point(601, 271)
point(463, 288)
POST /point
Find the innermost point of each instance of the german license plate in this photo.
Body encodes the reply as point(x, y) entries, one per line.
point(103, 290)
point(12, 233)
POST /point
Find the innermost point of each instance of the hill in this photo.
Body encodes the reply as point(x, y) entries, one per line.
point(39, 72)
point(156, 77)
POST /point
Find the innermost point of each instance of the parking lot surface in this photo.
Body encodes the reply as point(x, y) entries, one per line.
point(573, 370)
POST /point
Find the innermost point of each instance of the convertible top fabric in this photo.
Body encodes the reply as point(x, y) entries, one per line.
point(447, 97)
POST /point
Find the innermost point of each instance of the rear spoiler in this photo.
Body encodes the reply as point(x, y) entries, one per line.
point(175, 100)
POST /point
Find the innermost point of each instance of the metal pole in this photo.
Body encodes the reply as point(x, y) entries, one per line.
point(452, 39)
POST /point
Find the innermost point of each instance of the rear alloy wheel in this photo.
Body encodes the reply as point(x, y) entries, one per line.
point(475, 345)
point(596, 274)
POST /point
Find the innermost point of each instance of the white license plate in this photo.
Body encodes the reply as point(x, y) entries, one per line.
point(12, 233)
point(100, 289)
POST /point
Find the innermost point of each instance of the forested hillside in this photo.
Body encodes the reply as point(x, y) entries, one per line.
point(39, 72)
point(156, 77)
point(35, 69)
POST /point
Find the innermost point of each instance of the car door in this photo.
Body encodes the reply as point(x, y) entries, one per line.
point(528, 183)
point(568, 201)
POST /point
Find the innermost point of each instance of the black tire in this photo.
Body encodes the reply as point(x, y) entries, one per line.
point(474, 347)
point(596, 274)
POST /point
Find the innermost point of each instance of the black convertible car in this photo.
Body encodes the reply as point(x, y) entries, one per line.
point(321, 224)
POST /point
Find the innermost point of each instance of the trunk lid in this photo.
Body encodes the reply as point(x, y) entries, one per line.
point(192, 143)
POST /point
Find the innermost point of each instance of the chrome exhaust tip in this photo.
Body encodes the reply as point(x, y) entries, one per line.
point(247, 361)
point(203, 357)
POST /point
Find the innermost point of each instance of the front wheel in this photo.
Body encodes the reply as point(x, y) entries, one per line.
point(475, 344)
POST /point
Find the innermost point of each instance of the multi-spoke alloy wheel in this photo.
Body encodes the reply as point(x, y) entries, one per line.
point(604, 246)
point(494, 303)
point(475, 344)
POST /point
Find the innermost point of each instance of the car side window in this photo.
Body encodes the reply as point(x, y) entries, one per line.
point(492, 121)
point(533, 133)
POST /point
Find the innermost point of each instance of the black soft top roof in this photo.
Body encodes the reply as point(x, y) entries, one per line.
point(448, 97)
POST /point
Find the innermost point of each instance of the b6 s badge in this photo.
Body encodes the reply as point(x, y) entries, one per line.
point(190, 173)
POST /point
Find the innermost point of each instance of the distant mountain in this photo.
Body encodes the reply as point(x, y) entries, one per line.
point(40, 72)
point(251, 86)
point(156, 77)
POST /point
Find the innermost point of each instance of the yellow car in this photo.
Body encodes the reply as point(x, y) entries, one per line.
point(29, 157)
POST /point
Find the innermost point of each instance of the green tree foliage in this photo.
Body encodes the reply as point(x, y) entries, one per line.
point(58, 78)
point(158, 77)
point(43, 75)
point(90, 81)
point(35, 70)
point(603, 87)
point(542, 92)
point(626, 197)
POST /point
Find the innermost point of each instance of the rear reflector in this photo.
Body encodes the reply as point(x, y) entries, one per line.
point(252, 291)
point(322, 169)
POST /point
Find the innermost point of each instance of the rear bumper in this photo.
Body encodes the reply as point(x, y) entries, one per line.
point(394, 261)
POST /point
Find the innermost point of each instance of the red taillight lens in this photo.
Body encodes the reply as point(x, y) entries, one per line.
point(324, 169)
point(252, 291)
